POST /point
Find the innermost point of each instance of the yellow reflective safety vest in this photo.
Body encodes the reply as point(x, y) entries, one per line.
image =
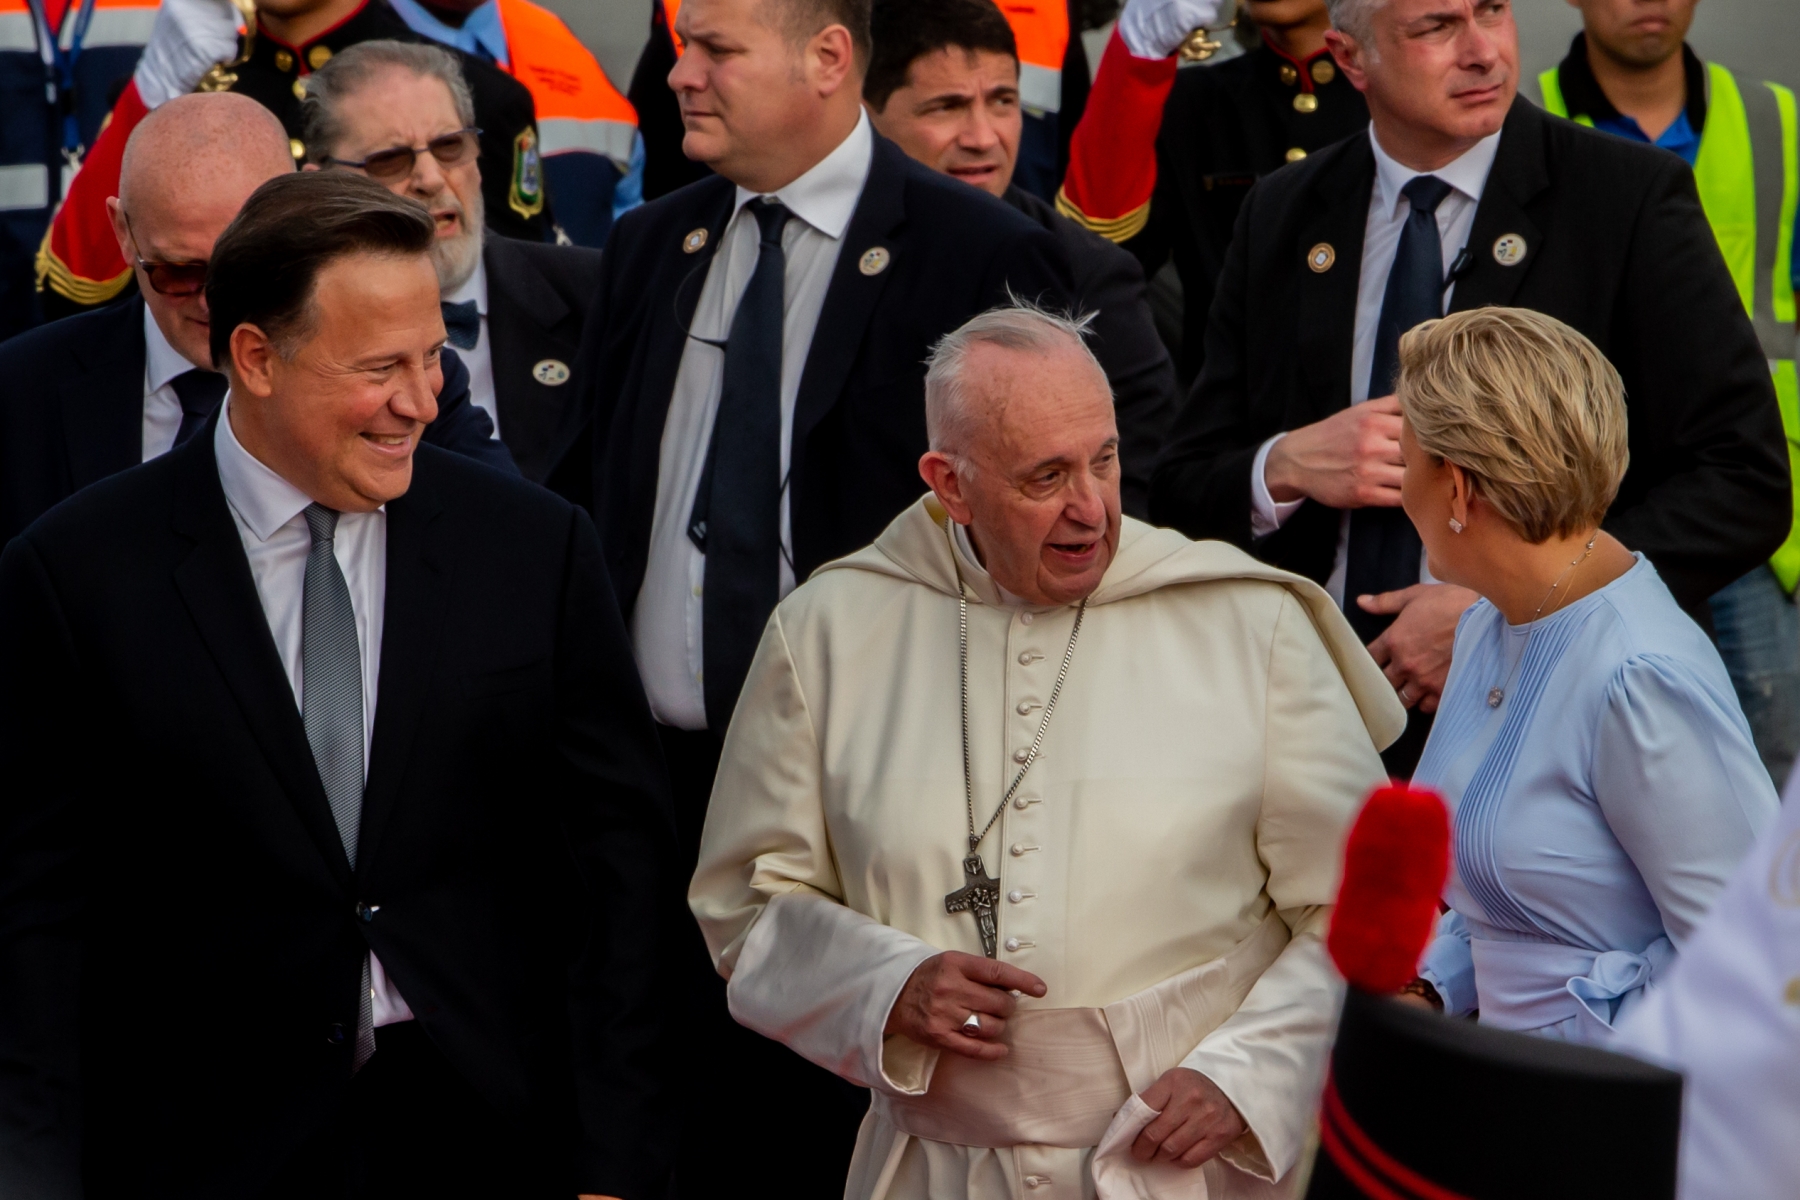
point(1748, 172)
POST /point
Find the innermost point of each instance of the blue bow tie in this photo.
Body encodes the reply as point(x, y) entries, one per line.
point(462, 322)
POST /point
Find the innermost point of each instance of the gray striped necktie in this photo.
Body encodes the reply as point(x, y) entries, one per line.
point(331, 705)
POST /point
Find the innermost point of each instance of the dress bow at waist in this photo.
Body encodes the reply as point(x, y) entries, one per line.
point(1563, 991)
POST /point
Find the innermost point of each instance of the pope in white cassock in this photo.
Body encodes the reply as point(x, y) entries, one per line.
point(1029, 817)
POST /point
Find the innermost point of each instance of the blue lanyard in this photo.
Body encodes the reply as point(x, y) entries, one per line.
point(59, 64)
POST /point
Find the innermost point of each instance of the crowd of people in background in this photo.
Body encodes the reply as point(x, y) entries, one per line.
point(816, 625)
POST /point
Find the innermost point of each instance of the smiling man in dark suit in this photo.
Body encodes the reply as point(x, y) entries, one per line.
point(757, 354)
point(93, 394)
point(334, 846)
point(1461, 195)
point(514, 309)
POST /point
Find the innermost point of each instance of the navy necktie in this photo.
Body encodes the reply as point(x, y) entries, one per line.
point(737, 513)
point(1384, 546)
point(199, 392)
point(462, 322)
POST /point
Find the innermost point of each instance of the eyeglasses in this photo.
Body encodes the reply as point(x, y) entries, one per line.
point(452, 149)
point(171, 279)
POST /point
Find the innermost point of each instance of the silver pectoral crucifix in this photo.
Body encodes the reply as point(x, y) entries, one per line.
point(980, 896)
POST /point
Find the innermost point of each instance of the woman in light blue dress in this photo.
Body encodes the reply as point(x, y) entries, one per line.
point(1600, 774)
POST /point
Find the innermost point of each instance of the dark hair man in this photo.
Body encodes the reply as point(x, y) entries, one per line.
point(1167, 150)
point(402, 113)
point(106, 390)
point(757, 359)
point(943, 83)
point(1631, 73)
point(334, 838)
point(1463, 195)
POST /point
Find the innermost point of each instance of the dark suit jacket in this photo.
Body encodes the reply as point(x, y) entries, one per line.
point(538, 298)
point(859, 421)
point(72, 410)
point(1110, 284)
point(180, 951)
point(1616, 246)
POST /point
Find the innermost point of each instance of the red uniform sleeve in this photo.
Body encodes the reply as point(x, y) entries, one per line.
point(80, 258)
point(1112, 155)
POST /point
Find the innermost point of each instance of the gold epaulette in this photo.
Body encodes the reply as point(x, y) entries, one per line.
point(53, 273)
point(1118, 229)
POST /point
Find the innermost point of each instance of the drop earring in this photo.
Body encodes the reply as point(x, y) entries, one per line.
point(1456, 526)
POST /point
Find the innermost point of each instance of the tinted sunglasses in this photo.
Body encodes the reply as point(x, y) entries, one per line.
point(452, 149)
point(171, 279)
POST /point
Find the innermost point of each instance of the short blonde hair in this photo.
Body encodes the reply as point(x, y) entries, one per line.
point(1527, 406)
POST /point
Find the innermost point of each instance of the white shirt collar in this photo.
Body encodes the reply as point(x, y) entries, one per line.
point(473, 288)
point(264, 500)
point(162, 362)
point(825, 197)
point(1467, 174)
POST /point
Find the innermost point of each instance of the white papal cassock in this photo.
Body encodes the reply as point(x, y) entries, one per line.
point(1165, 867)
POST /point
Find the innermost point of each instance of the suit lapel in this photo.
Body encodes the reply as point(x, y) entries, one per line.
point(523, 310)
point(1328, 255)
point(1503, 228)
point(103, 398)
point(215, 583)
point(851, 297)
point(418, 570)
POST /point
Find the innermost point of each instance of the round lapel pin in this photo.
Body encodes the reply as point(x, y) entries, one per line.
point(1509, 249)
point(874, 260)
point(694, 241)
point(551, 372)
point(1320, 257)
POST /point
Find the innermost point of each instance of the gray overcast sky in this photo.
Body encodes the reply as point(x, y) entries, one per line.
point(1758, 39)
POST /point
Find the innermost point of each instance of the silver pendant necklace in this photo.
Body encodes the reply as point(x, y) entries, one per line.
point(1497, 694)
point(980, 894)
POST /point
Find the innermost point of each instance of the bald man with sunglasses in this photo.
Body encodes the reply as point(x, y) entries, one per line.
point(91, 395)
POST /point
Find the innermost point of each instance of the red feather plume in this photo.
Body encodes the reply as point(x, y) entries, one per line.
point(1395, 864)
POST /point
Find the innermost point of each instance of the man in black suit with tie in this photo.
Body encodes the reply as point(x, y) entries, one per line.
point(514, 310)
point(1462, 194)
point(335, 846)
point(757, 356)
point(93, 394)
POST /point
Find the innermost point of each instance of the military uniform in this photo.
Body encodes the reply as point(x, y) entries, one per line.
point(1217, 128)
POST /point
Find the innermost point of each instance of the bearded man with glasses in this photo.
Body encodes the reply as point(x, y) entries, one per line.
point(93, 394)
point(403, 114)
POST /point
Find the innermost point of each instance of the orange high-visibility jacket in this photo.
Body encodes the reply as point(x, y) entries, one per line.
point(578, 108)
point(1041, 29)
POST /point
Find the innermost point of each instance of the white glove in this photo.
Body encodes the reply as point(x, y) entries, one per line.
point(189, 37)
point(1156, 28)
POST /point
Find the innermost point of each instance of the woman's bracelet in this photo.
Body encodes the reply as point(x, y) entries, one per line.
point(1422, 988)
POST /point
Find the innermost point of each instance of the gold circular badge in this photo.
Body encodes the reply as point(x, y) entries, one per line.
point(1289, 76)
point(694, 241)
point(1324, 71)
point(551, 372)
point(318, 56)
point(284, 61)
point(297, 148)
point(1306, 102)
point(1295, 154)
point(1509, 249)
point(300, 88)
point(1320, 257)
point(874, 260)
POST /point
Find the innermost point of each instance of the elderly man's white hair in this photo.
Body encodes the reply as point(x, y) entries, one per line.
point(1021, 325)
point(1352, 16)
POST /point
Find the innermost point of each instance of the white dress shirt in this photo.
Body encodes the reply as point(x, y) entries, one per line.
point(667, 619)
point(1388, 211)
point(480, 360)
point(162, 407)
point(270, 514)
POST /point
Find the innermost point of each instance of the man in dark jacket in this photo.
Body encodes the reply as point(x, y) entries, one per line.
point(943, 83)
point(1461, 195)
